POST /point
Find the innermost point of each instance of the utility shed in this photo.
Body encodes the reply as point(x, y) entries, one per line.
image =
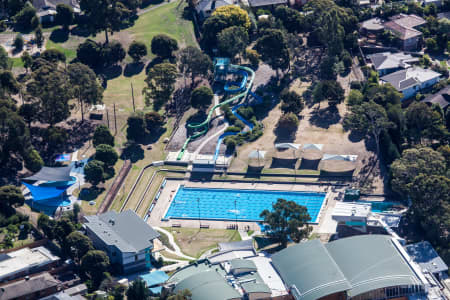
point(208, 285)
point(255, 290)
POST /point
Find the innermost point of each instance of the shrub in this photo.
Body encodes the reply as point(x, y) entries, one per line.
point(288, 121)
point(233, 129)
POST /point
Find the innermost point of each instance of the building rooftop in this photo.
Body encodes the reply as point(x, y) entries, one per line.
point(211, 5)
point(444, 15)
point(352, 209)
point(356, 264)
point(257, 3)
point(441, 98)
point(374, 24)
point(238, 263)
point(424, 254)
point(19, 289)
point(404, 79)
point(44, 4)
point(387, 60)
point(208, 285)
point(126, 230)
point(403, 26)
point(239, 245)
point(21, 260)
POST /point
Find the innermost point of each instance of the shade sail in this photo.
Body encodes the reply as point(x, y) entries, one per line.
point(340, 157)
point(52, 174)
point(43, 193)
point(256, 154)
point(287, 146)
point(313, 147)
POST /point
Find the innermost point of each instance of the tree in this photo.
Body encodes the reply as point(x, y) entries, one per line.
point(413, 162)
point(253, 56)
point(163, 45)
point(85, 85)
point(93, 172)
point(94, 263)
point(27, 60)
point(33, 161)
point(329, 90)
point(23, 19)
point(46, 225)
point(287, 219)
point(292, 19)
point(160, 81)
point(39, 36)
point(78, 245)
point(153, 121)
point(51, 87)
point(18, 43)
point(233, 15)
point(29, 111)
point(106, 154)
point(104, 15)
point(14, 135)
point(368, 118)
point(112, 53)
point(64, 15)
point(138, 290)
point(422, 121)
point(62, 229)
point(273, 49)
point(201, 97)
point(5, 61)
point(232, 41)
point(10, 196)
point(102, 135)
point(291, 102)
point(8, 83)
point(89, 53)
point(193, 62)
point(53, 55)
point(136, 129)
point(355, 97)
point(288, 122)
point(137, 51)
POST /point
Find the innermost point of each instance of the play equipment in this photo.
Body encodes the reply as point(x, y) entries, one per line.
point(222, 68)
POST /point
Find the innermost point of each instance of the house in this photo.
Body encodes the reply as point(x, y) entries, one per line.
point(404, 27)
point(205, 8)
point(443, 15)
point(441, 98)
point(32, 288)
point(428, 259)
point(46, 9)
point(358, 267)
point(63, 296)
point(386, 62)
point(412, 80)
point(125, 237)
point(25, 261)
point(270, 4)
point(372, 26)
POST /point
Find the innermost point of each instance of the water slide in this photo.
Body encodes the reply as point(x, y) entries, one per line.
point(243, 89)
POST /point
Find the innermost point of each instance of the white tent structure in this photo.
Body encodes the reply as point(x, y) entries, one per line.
point(351, 158)
point(287, 146)
point(317, 147)
point(256, 158)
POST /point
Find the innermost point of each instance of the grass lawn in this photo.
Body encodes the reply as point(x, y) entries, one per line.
point(172, 256)
point(69, 48)
point(194, 241)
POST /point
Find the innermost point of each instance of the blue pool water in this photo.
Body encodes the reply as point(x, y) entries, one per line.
point(381, 206)
point(231, 204)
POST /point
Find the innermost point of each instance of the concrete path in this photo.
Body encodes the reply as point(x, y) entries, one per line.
point(215, 136)
point(146, 10)
point(177, 250)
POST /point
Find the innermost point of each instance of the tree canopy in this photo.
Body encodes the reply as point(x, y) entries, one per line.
point(163, 45)
point(273, 49)
point(102, 135)
point(160, 81)
point(201, 97)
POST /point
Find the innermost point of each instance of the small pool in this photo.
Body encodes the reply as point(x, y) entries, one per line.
point(60, 183)
point(382, 206)
point(232, 204)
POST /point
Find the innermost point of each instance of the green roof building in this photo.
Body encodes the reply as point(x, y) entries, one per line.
point(360, 267)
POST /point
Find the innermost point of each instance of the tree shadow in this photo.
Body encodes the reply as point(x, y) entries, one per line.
point(59, 35)
point(154, 136)
point(155, 61)
point(283, 135)
point(133, 152)
point(146, 3)
point(133, 69)
point(112, 72)
point(198, 117)
point(356, 136)
point(80, 31)
point(89, 194)
point(254, 172)
point(325, 117)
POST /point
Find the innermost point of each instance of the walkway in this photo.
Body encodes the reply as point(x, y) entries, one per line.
point(216, 135)
point(177, 250)
point(146, 10)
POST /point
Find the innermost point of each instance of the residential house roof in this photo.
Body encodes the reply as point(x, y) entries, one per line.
point(239, 263)
point(126, 230)
point(403, 26)
point(444, 15)
point(211, 5)
point(356, 264)
point(424, 254)
point(19, 289)
point(441, 98)
point(407, 78)
point(388, 60)
point(257, 3)
point(46, 4)
point(374, 24)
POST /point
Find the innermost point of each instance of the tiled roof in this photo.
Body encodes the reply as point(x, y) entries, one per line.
point(387, 60)
point(442, 98)
point(403, 26)
point(404, 79)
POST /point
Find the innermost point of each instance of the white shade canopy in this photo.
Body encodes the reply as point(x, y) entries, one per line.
point(340, 157)
point(313, 147)
point(287, 146)
point(257, 154)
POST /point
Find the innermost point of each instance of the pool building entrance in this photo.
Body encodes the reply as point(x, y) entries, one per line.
point(236, 204)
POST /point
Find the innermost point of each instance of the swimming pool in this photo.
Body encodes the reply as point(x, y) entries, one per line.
point(232, 204)
point(382, 206)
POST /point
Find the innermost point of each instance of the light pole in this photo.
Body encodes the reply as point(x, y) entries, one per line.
point(235, 212)
point(198, 206)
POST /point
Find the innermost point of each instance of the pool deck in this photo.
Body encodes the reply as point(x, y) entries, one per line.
point(325, 224)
